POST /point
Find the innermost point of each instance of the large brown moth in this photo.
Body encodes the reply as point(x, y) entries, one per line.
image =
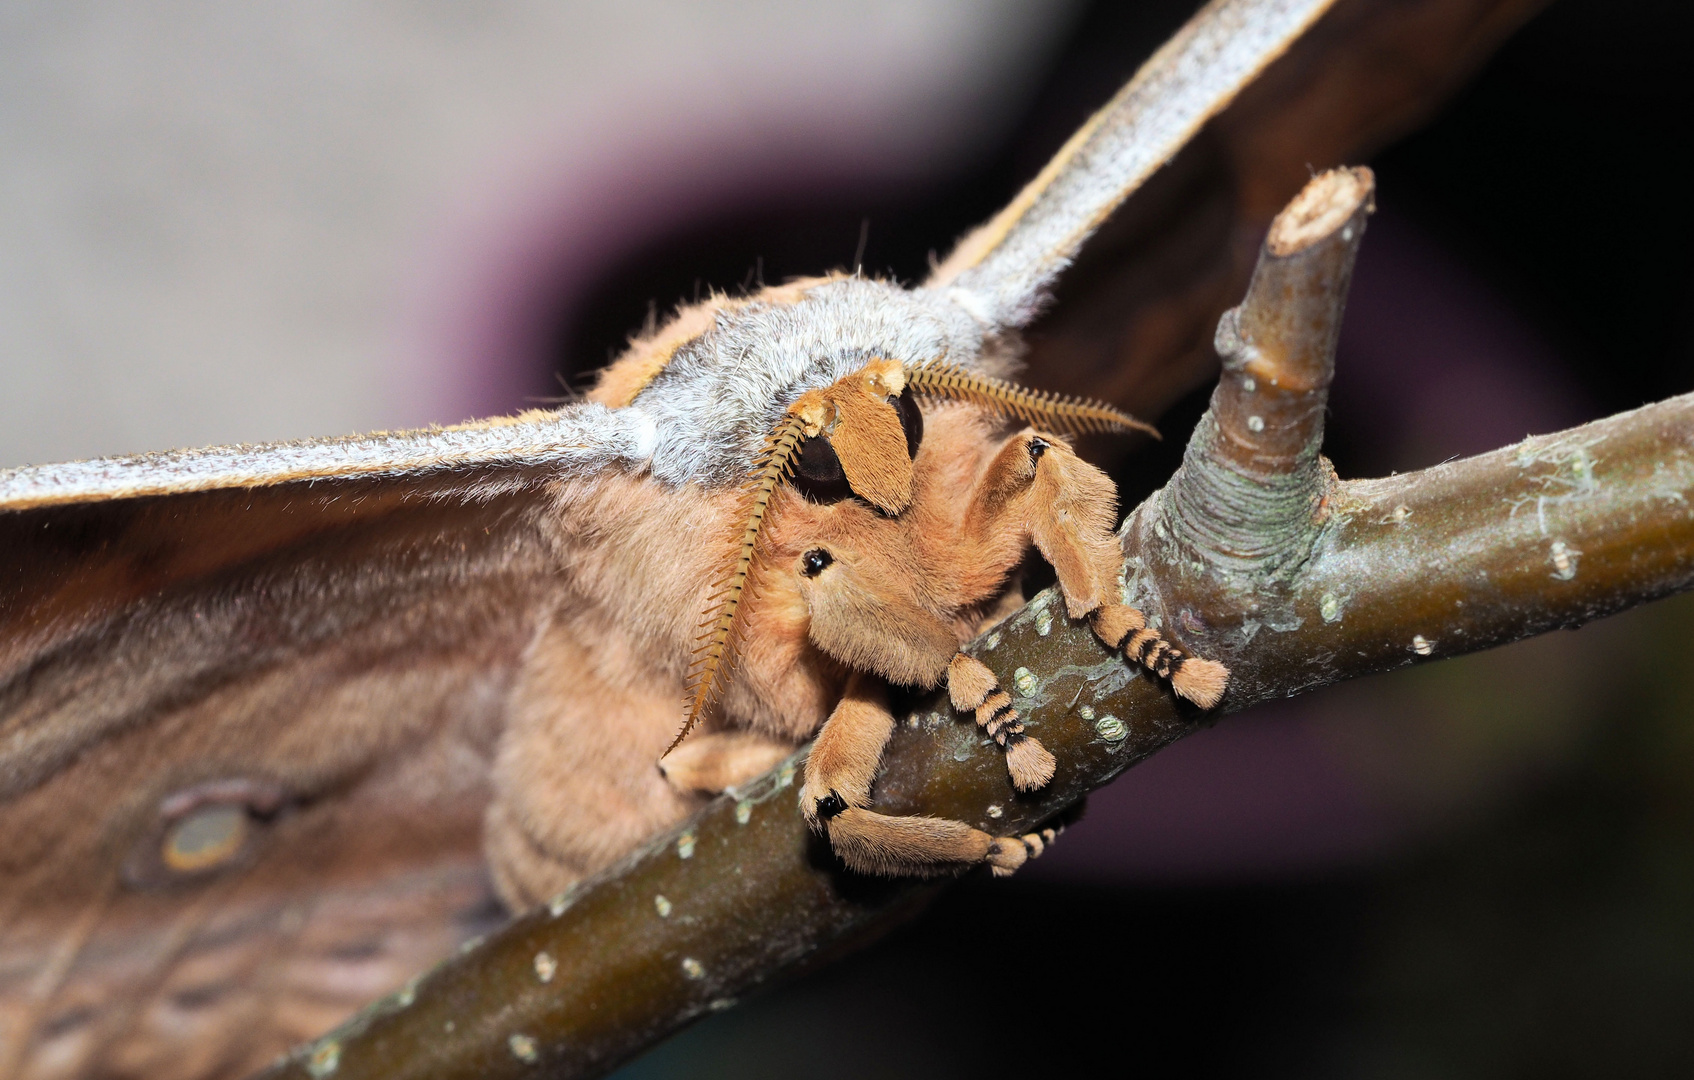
point(270, 714)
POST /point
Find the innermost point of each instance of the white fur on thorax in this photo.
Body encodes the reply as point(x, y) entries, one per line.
point(704, 419)
point(723, 393)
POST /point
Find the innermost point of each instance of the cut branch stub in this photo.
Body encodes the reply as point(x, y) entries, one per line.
point(1252, 482)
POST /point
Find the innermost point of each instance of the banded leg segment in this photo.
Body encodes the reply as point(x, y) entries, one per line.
point(1125, 629)
point(1029, 846)
point(836, 791)
point(974, 688)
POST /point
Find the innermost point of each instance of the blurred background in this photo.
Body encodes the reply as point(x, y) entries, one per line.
point(241, 223)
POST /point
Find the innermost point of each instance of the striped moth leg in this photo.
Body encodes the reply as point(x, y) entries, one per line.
point(836, 792)
point(1125, 629)
point(973, 688)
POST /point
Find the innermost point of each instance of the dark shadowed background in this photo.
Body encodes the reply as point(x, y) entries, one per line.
point(224, 227)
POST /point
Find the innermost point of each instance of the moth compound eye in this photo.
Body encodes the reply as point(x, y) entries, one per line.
point(203, 830)
point(1037, 447)
point(818, 474)
point(815, 562)
point(911, 419)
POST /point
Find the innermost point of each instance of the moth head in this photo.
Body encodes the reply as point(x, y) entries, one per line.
point(867, 608)
point(859, 425)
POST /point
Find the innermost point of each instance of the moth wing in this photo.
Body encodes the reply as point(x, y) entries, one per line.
point(248, 701)
point(1173, 183)
point(1008, 265)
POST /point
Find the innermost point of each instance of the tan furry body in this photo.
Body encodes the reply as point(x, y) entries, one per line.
point(603, 678)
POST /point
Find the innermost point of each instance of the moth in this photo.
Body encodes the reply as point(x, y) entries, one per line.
point(272, 716)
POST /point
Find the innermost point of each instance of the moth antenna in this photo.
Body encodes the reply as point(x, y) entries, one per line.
point(1058, 413)
point(715, 648)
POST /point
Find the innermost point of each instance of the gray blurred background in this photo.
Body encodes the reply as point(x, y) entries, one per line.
point(225, 223)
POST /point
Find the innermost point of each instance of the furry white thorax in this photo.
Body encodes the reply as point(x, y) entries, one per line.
point(704, 419)
point(724, 392)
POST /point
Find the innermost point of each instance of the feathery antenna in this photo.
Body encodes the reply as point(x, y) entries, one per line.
point(717, 638)
point(1059, 413)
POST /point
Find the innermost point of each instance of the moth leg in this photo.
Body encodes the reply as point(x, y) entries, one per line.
point(1069, 507)
point(721, 759)
point(833, 800)
point(974, 688)
point(1125, 629)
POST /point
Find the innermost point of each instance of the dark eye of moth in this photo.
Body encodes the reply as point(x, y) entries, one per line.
point(815, 562)
point(911, 419)
point(818, 475)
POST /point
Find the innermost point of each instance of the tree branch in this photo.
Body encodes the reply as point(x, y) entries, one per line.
point(1253, 554)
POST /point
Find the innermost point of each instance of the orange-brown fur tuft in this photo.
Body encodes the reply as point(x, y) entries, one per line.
point(873, 843)
point(1200, 681)
point(872, 447)
point(1115, 622)
point(721, 759)
point(845, 756)
point(969, 682)
point(1030, 764)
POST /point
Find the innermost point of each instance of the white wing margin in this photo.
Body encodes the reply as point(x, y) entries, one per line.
point(1005, 268)
point(577, 437)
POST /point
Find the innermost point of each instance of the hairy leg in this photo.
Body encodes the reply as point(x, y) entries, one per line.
point(836, 793)
point(1036, 486)
point(717, 760)
point(972, 687)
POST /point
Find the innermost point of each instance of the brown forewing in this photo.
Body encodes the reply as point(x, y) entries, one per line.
point(335, 654)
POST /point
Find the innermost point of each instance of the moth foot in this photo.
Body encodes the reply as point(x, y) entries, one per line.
point(1125, 629)
point(721, 759)
point(973, 688)
point(1008, 853)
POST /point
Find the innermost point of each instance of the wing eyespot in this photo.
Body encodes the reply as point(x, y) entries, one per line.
point(203, 830)
point(205, 839)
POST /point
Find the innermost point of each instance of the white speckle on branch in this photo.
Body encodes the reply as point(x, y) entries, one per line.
point(545, 966)
point(523, 1048)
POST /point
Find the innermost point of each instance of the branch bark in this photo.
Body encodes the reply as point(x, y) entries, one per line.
point(1254, 554)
